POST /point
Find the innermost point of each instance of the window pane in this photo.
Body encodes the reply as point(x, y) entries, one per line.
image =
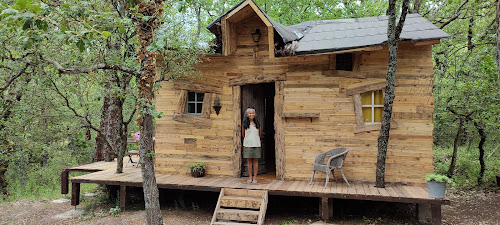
point(199, 97)
point(191, 96)
point(379, 98)
point(366, 98)
point(378, 114)
point(367, 114)
point(191, 108)
point(199, 107)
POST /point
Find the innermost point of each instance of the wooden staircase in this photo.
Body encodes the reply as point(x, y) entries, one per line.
point(240, 206)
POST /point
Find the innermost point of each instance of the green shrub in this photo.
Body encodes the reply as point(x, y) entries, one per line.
point(197, 166)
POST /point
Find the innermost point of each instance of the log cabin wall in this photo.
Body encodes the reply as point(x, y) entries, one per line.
point(318, 113)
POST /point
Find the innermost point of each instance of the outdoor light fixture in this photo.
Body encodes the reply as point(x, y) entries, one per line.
point(217, 106)
point(256, 36)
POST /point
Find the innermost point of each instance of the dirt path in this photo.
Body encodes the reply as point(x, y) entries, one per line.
point(468, 207)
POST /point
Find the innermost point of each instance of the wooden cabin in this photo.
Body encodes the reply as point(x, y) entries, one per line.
point(316, 86)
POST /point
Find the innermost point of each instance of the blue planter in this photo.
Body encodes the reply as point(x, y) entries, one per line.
point(436, 189)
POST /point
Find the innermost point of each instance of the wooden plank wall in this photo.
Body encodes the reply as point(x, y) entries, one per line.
point(310, 87)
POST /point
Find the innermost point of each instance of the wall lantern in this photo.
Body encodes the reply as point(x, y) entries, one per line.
point(217, 106)
point(256, 36)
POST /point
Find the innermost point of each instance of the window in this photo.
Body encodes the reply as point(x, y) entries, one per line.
point(372, 104)
point(368, 99)
point(347, 64)
point(344, 62)
point(194, 103)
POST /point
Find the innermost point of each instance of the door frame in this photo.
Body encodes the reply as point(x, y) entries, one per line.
point(279, 122)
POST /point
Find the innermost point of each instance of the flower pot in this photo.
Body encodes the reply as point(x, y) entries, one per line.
point(198, 172)
point(436, 189)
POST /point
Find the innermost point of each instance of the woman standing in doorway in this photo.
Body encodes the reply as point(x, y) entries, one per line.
point(251, 143)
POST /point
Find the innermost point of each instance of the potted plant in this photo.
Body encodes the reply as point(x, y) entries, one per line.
point(436, 184)
point(197, 169)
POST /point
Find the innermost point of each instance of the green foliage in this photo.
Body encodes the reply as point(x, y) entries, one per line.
point(288, 222)
point(437, 178)
point(369, 221)
point(115, 211)
point(197, 166)
point(467, 166)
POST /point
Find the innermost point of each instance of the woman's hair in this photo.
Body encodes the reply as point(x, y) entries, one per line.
point(246, 120)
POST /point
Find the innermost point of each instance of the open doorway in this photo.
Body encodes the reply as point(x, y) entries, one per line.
point(261, 97)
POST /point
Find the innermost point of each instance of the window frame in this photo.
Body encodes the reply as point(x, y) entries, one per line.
point(196, 102)
point(372, 106)
point(355, 90)
point(185, 87)
point(355, 60)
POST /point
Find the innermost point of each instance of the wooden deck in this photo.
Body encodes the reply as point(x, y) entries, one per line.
point(335, 190)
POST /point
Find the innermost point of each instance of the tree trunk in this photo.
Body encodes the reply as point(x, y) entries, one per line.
point(470, 45)
point(455, 148)
point(4, 164)
point(145, 31)
point(121, 134)
point(197, 9)
point(110, 125)
point(393, 33)
point(482, 134)
point(416, 6)
point(497, 49)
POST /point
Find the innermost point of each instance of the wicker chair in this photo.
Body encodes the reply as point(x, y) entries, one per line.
point(335, 161)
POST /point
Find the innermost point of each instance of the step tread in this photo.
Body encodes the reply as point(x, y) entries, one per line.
point(241, 202)
point(244, 193)
point(244, 211)
point(237, 215)
point(242, 198)
point(232, 223)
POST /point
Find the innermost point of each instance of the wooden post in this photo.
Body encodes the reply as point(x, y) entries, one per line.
point(123, 196)
point(326, 208)
point(237, 131)
point(75, 194)
point(436, 214)
point(270, 35)
point(64, 181)
point(279, 127)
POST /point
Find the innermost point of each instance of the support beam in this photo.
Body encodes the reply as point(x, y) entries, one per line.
point(424, 213)
point(436, 214)
point(123, 196)
point(64, 181)
point(75, 194)
point(279, 127)
point(326, 208)
point(236, 131)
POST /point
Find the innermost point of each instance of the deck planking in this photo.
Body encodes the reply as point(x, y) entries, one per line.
point(132, 176)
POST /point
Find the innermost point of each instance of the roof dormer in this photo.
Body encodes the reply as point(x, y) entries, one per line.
point(234, 30)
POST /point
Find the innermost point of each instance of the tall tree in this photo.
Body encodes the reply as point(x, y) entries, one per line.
point(497, 49)
point(151, 11)
point(393, 33)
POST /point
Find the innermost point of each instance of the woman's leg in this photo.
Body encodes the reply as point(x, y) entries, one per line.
point(249, 168)
point(255, 168)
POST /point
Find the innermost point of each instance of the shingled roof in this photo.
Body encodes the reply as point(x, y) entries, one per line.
point(344, 34)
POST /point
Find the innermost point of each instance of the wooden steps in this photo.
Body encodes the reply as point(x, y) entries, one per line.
point(240, 206)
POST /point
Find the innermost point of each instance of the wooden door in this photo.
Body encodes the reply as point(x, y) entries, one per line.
point(261, 97)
